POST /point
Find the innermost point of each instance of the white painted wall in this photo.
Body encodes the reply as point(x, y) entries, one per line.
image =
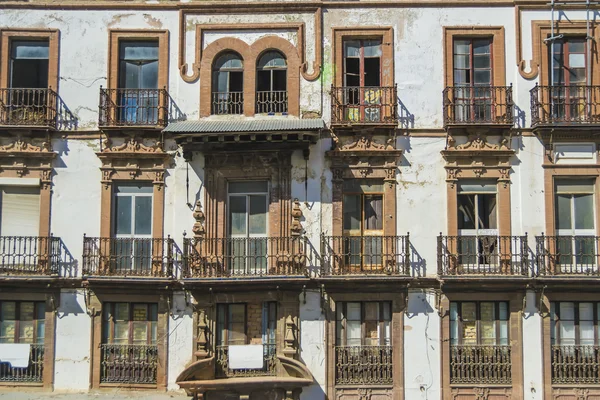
point(312, 343)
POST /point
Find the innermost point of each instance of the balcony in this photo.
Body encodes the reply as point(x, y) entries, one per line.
point(364, 105)
point(365, 255)
point(128, 364)
point(245, 257)
point(568, 256)
point(363, 365)
point(575, 364)
point(30, 255)
point(565, 105)
point(478, 105)
point(128, 257)
point(502, 256)
point(222, 369)
point(34, 372)
point(31, 108)
point(139, 108)
point(227, 103)
point(272, 102)
point(477, 364)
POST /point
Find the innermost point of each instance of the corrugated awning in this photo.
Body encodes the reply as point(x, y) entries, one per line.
point(244, 126)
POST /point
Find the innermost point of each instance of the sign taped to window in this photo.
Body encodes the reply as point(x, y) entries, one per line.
point(246, 356)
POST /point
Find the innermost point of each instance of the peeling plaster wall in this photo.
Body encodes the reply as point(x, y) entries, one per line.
point(312, 343)
point(181, 330)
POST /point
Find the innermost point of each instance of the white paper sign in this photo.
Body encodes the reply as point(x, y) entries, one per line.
point(246, 356)
point(15, 354)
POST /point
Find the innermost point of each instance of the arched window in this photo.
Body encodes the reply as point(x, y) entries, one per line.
point(271, 83)
point(228, 84)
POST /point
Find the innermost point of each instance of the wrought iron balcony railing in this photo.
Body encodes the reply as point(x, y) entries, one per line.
point(268, 369)
point(227, 103)
point(571, 105)
point(28, 107)
point(365, 255)
point(128, 257)
point(128, 363)
point(133, 107)
point(478, 364)
point(363, 365)
point(568, 255)
point(34, 371)
point(575, 364)
point(30, 255)
point(245, 257)
point(483, 255)
point(472, 105)
point(364, 105)
point(272, 102)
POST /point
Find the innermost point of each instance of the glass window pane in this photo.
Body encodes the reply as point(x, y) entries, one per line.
point(567, 332)
point(26, 331)
point(258, 215)
point(123, 215)
point(466, 211)
point(9, 310)
point(143, 215)
point(130, 78)
point(482, 77)
point(488, 323)
point(462, 61)
point(487, 211)
point(586, 312)
point(351, 48)
point(563, 211)
point(481, 46)
point(584, 211)
point(352, 212)
point(503, 327)
point(30, 49)
point(577, 60)
point(147, 50)
point(373, 212)
point(121, 332)
point(140, 312)
point(567, 311)
point(353, 311)
point(387, 312)
point(140, 332)
point(586, 332)
point(122, 312)
point(248, 187)
point(149, 76)
point(237, 215)
point(353, 333)
point(462, 46)
point(371, 311)
point(272, 59)
point(372, 48)
point(469, 323)
point(503, 311)
point(229, 61)
point(221, 320)
point(482, 61)
point(135, 188)
point(41, 331)
point(576, 46)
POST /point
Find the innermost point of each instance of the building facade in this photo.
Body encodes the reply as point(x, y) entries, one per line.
point(301, 199)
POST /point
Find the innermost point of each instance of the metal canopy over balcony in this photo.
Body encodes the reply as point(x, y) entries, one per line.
point(491, 106)
point(275, 132)
point(567, 106)
point(364, 105)
point(485, 255)
point(255, 257)
point(28, 108)
point(365, 255)
point(134, 108)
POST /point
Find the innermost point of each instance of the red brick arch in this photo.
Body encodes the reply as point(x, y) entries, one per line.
point(250, 55)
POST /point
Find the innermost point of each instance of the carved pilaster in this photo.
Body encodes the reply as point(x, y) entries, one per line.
point(198, 228)
point(202, 332)
point(296, 229)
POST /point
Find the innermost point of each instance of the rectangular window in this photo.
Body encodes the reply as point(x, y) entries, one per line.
point(477, 223)
point(248, 213)
point(362, 209)
point(364, 323)
point(22, 322)
point(233, 327)
point(20, 211)
point(473, 97)
point(130, 323)
point(479, 323)
point(29, 64)
point(568, 74)
point(574, 323)
point(575, 225)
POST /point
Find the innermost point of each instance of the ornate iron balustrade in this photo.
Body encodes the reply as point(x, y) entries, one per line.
point(128, 257)
point(575, 364)
point(483, 255)
point(364, 105)
point(365, 255)
point(568, 255)
point(28, 107)
point(470, 105)
point(245, 257)
point(223, 370)
point(565, 105)
point(34, 371)
point(227, 103)
point(133, 107)
point(30, 255)
point(476, 364)
point(128, 363)
point(363, 365)
point(272, 102)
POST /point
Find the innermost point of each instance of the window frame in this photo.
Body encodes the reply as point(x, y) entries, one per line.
point(271, 70)
point(133, 196)
point(472, 69)
point(565, 66)
point(37, 307)
point(12, 60)
point(459, 339)
point(121, 72)
point(362, 194)
point(222, 336)
point(555, 336)
point(361, 57)
point(341, 324)
point(108, 322)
